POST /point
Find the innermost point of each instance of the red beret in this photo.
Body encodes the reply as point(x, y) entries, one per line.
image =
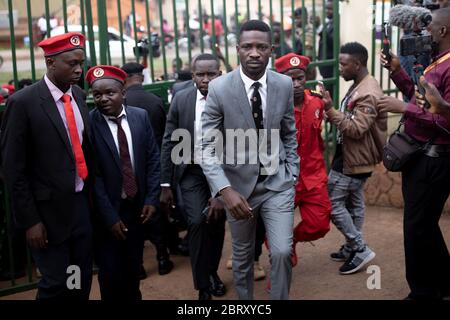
point(61, 43)
point(291, 61)
point(105, 72)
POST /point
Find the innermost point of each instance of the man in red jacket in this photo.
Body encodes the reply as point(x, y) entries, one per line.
point(311, 190)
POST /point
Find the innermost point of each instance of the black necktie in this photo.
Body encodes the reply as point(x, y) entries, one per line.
point(129, 180)
point(256, 107)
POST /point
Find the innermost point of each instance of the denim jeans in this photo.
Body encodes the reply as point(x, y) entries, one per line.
point(347, 200)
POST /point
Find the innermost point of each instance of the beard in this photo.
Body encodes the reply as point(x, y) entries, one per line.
point(434, 49)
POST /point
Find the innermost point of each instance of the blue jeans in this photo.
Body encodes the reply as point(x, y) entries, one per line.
point(347, 200)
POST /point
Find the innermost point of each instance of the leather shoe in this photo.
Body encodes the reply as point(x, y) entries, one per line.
point(217, 287)
point(204, 294)
point(142, 273)
point(180, 250)
point(165, 265)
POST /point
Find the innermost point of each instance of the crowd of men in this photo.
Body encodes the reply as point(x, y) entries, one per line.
point(85, 185)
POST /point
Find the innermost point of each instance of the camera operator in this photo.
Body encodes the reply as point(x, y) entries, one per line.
point(426, 177)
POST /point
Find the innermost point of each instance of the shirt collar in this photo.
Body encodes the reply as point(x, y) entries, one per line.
point(123, 114)
point(249, 82)
point(55, 91)
point(200, 97)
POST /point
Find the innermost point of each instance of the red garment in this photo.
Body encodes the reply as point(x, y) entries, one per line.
point(80, 162)
point(311, 193)
point(310, 148)
point(218, 28)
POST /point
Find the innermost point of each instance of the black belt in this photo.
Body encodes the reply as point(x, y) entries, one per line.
point(436, 150)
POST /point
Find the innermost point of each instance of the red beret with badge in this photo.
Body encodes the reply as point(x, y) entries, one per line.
point(105, 72)
point(62, 43)
point(291, 61)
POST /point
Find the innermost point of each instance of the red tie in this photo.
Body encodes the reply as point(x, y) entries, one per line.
point(73, 132)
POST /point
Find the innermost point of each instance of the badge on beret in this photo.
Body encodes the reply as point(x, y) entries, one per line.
point(75, 41)
point(295, 61)
point(98, 72)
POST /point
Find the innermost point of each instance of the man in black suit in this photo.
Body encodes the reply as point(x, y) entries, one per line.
point(48, 166)
point(127, 187)
point(158, 230)
point(206, 227)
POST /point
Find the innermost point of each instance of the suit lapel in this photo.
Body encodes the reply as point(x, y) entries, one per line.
point(133, 124)
point(49, 106)
point(106, 135)
point(241, 99)
point(191, 105)
point(271, 102)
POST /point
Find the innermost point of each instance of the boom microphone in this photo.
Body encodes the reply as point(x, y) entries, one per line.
point(409, 18)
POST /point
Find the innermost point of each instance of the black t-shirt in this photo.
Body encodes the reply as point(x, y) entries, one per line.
point(338, 164)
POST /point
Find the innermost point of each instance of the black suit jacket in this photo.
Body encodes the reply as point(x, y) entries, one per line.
point(108, 184)
point(181, 116)
point(179, 86)
point(136, 96)
point(38, 160)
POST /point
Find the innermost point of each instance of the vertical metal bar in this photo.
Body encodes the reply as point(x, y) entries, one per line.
point(102, 31)
point(304, 22)
point(91, 36)
point(13, 43)
point(30, 35)
point(259, 10)
point(133, 9)
point(336, 44)
point(324, 31)
point(200, 18)
point(188, 29)
point(373, 56)
point(175, 27)
point(293, 25)
point(271, 26)
point(163, 38)
point(225, 27)
point(122, 47)
point(248, 10)
point(236, 24)
point(47, 17)
point(147, 12)
point(83, 30)
point(315, 29)
point(213, 29)
point(64, 5)
point(374, 5)
point(283, 49)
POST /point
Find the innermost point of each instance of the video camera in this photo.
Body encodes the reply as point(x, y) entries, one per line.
point(142, 47)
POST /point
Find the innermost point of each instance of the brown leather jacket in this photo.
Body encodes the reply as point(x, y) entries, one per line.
point(363, 128)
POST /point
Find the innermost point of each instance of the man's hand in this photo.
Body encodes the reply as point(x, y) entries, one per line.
point(236, 203)
point(391, 104)
point(434, 98)
point(119, 230)
point(216, 210)
point(394, 65)
point(326, 97)
point(37, 236)
point(167, 199)
point(147, 213)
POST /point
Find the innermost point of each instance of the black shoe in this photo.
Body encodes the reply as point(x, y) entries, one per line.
point(164, 266)
point(180, 250)
point(142, 273)
point(204, 294)
point(217, 287)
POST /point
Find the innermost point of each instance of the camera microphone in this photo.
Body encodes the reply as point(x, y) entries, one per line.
point(409, 18)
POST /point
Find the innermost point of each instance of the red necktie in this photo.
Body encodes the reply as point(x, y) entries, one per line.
point(129, 181)
point(75, 139)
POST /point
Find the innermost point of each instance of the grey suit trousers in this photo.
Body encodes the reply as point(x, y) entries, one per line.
point(277, 212)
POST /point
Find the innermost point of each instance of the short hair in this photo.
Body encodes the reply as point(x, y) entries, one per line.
point(132, 68)
point(356, 50)
point(255, 25)
point(443, 16)
point(24, 83)
point(206, 57)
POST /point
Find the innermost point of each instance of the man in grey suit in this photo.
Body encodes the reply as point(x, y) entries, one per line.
point(247, 102)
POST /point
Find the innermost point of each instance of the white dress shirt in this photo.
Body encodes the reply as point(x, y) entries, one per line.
point(57, 95)
point(199, 108)
point(126, 128)
point(262, 89)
